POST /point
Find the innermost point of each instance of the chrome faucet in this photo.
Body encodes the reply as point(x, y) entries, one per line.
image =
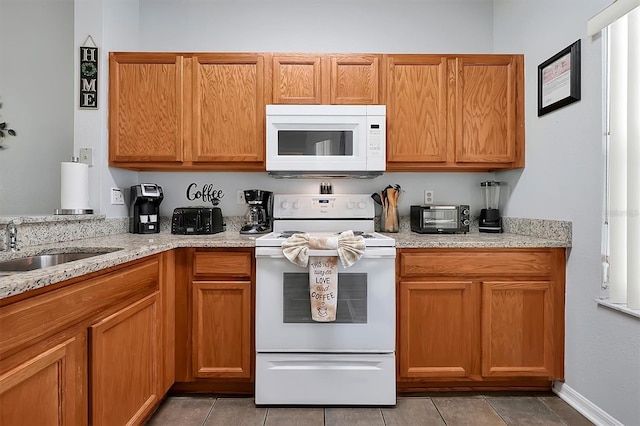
point(12, 235)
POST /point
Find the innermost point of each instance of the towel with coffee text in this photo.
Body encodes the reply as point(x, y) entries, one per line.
point(323, 270)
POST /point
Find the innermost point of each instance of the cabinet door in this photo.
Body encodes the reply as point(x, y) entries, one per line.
point(355, 79)
point(44, 390)
point(145, 108)
point(297, 79)
point(222, 327)
point(229, 110)
point(416, 111)
point(124, 363)
point(438, 327)
point(326, 79)
point(488, 117)
point(517, 329)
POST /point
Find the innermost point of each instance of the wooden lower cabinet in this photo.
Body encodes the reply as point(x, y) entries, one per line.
point(478, 318)
point(518, 329)
point(222, 329)
point(125, 364)
point(438, 329)
point(45, 389)
point(214, 320)
point(93, 350)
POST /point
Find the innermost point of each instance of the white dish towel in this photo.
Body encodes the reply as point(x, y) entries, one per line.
point(323, 270)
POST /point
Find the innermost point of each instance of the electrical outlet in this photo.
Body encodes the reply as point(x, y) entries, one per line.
point(117, 197)
point(428, 196)
point(240, 197)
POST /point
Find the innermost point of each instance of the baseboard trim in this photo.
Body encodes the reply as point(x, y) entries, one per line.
point(585, 407)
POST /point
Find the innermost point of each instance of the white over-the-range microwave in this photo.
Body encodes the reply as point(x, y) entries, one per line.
point(326, 140)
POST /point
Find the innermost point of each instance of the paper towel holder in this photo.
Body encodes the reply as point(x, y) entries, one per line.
point(74, 159)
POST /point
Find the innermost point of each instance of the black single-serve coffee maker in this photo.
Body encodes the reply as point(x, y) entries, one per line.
point(145, 208)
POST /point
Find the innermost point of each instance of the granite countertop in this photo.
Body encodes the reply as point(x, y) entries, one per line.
point(474, 239)
point(127, 247)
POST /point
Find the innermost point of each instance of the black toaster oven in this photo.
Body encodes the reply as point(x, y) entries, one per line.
point(439, 219)
point(197, 221)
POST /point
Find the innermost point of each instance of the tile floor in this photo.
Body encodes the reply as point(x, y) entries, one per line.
point(429, 409)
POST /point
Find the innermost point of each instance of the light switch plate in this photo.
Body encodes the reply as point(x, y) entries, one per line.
point(86, 156)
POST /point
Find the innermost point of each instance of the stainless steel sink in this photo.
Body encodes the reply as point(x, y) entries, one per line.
point(44, 260)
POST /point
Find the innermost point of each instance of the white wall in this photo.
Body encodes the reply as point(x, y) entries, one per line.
point(402, 26)
point(36, 90)
point(113, 25)
point(563, 180)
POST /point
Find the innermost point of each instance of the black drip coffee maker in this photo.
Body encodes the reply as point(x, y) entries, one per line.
point(145, 208)
point(258, 219)
point(490, 219)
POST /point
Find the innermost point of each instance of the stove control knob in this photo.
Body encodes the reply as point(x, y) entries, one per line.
point(465, 212)
point(285, 204)
point(361, 205)
point(296, 205)
point(350, 204)
point(466, 222)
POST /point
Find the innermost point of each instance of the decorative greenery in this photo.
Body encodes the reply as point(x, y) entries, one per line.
point(4, 129)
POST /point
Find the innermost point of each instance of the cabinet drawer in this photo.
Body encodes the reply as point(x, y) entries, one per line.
point(223, 263)
point(484, 262)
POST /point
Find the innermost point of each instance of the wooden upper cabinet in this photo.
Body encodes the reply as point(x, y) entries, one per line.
point(355, 79)
point(416, 110)
point(339, 79)
point(229, 110)
point(296, 80)
point(145, 108)
point(455, 112)
point(206, 111)
point(487, 114)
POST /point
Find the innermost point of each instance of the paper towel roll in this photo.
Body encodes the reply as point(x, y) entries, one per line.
point(74, 186)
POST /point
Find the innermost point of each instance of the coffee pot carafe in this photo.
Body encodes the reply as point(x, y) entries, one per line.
point(145, 208)
point(258, 218)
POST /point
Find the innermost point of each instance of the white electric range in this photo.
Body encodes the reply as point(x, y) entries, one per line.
point(347, 362)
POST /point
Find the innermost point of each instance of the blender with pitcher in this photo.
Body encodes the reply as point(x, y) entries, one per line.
point(490, 219)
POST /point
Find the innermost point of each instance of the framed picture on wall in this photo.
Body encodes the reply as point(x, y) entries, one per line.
point(559, 80)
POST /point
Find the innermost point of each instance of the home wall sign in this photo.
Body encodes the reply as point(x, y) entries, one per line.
point(89, 75)
point(208, 193)
point(559, 79)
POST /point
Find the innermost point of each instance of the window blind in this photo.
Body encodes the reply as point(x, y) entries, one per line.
point(623, 206)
